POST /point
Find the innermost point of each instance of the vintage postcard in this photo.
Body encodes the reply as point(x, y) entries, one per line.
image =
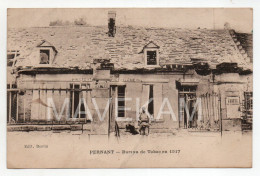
point(129, 88)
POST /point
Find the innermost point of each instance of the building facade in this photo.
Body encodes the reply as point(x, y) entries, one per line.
point(52, 68)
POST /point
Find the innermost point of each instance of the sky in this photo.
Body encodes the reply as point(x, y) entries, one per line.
point(240, 19)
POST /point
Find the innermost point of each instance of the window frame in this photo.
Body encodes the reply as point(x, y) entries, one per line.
point(157, 56)
point(150, 105)
point(50, 56)
point(248, 96)
point(16, 53)
point(124, 110)
point(72, 90)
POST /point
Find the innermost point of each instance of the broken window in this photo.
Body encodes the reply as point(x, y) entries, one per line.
point(151, 57)
point(10, 60)
point(44, 56)
point(11, 56)
point(121, 101)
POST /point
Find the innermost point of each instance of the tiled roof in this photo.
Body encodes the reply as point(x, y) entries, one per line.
point(246, 43)
point(78, 46)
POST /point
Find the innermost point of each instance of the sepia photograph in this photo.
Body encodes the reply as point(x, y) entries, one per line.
point(129, 87)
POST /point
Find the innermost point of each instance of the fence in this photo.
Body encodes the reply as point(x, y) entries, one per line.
point(211, 111)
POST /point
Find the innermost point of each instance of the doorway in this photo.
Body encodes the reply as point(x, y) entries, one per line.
point(187, 98)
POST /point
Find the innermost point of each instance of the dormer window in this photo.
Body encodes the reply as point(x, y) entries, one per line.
point(44, 56)
point(151, 57)
point(47, 53)
point(151, 54)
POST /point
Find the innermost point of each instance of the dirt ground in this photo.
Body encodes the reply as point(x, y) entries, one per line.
point(69, 149)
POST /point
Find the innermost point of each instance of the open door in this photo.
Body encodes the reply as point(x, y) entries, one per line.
point(187, 98)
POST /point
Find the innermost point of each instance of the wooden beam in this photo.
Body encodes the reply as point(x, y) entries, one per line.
point(24, 109)
point(17, 100)
point(10, 107)
point(13, 90)
point(72, 102)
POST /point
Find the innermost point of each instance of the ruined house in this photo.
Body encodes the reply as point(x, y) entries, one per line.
point(102, 62)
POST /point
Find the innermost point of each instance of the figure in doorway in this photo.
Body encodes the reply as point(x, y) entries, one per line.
point(144, 122)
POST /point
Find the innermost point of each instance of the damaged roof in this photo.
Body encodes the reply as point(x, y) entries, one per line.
point(79, 46)
point(246, 41)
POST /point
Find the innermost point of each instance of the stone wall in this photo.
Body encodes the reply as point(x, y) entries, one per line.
point(34, 91)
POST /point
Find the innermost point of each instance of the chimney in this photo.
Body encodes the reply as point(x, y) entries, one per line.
point(111, 23)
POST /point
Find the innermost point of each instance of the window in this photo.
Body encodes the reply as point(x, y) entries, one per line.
point(12, 114)
point(47, 53)
point(151, 54)
point(148, 98)
point(10, 60)
point(248, 101)
point(75, 98)
point(11, 57)
point(44, 56)
point(121, 101)
point(151, 103)
point(151, 57)
point(187, 89)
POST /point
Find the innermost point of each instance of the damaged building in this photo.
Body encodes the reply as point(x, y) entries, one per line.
point(113, 62)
